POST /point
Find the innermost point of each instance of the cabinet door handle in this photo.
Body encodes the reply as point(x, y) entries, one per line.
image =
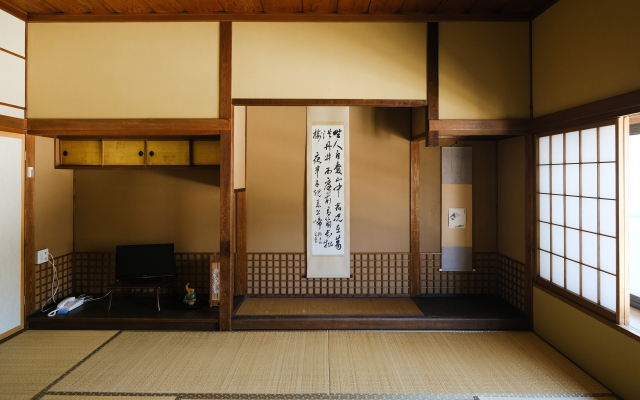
point(151, 153)
point(64, 153)
point(140, 153)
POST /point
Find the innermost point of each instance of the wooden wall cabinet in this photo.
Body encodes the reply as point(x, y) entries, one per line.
point(118, 153)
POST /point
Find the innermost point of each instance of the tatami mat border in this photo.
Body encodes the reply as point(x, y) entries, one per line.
point(61, 377)
point(341, 396)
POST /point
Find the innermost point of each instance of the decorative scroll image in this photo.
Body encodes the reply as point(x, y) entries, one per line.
point(328, 189)
point(457, 218)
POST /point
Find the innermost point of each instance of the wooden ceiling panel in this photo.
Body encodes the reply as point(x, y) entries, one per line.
point(385, 6)
point(33, 6)
point(129, 6)
point(71, 7)
point(241, 6)
point(420, 6)
point(353, 6)
point(201, 6)
point(282, 6)
point(165, 6)
point(320, 6)
point(455, 6)
point(488, 6)
point(97, 6)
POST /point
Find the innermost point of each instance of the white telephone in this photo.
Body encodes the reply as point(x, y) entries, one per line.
point(68, 304)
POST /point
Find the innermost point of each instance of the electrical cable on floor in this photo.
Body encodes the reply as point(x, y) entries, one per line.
point(55, 278)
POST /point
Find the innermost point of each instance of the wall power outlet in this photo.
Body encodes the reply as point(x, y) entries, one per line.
point(42, 256)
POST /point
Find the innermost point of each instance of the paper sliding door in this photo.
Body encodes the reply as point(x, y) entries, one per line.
point(11, 233)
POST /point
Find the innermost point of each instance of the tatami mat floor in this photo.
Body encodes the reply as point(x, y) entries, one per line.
point(329, 365)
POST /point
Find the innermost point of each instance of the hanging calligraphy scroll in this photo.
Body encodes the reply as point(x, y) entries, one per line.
point(327, 192)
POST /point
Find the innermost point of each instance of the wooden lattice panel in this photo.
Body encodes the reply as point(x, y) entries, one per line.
point(44, 277)
point(511, 281)
point(480, 281)
point(372, 274)
point(93, 272)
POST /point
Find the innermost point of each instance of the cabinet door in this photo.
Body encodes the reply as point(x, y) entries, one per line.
point(206, 152)
point(168, 152)
point(124, 152)
point(80, 152)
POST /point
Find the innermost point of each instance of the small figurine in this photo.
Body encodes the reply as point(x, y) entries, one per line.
point(190, 297)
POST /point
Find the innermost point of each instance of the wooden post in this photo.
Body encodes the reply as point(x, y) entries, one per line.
point(30, 230)
point(414, 269)
point(530, 222)
point(433, 82)
point(226, 181)
point(241, 242)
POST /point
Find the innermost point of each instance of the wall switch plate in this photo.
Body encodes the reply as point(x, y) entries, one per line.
point(42, 256)
point(30, 172)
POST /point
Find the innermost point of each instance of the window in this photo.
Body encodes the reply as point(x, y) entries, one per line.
point(577, 216)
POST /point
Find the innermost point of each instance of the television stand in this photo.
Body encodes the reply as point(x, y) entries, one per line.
point(157, 285)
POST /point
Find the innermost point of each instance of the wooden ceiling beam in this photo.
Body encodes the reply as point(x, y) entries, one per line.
point(480, 127)
point(126, 127)
point(330, 102)
point(273, 17)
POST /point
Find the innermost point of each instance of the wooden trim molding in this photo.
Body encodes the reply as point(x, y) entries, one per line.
point(531, 216)
point(11, 124)
point(241, 242)
point(480, 127)
point(612, 107)
point(625, 330)
point(433, 82)
point(30, 229)
point(126, 127)
point(226, 181)
point(330, 102)
point(414, 267)
point(277, 17)
point(18, 13)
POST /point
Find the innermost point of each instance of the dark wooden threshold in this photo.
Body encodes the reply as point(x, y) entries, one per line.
point(329, 102)
point(376, 323)
point(130, 312)
point(126, 127)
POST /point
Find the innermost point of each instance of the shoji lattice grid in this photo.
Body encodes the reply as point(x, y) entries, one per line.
point(284, 274)
point(44, 278)
point(577, 212)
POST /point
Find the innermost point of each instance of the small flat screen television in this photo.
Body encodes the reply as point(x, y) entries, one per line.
point(146, 261)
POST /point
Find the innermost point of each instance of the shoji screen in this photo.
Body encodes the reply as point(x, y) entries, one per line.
point(577, 197)
point(12, 66)
point(11, 232)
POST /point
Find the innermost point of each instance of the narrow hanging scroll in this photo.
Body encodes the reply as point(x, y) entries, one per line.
point(327, 192)
point(457, 190)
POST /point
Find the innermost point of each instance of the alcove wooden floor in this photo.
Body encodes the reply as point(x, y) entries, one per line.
point(466, 312)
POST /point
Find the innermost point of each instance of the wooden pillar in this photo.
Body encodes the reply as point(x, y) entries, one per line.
point(433, 81)
point(241, 242)
point(226, 181)
point(30, 229)
point(414, 269)
point(529, 223)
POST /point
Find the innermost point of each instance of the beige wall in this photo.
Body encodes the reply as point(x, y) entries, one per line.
point(330, 60)
point(380, 179)
point(53, 202)
point(608, 355)
point(484, 196)
point(116, 207)
point(484, 70)
point(511, 198)
point(123, 70)
point(276, 179)
point(379, 157)
point(583, 51)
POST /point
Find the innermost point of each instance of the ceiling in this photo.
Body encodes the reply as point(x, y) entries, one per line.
point(374, 10)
